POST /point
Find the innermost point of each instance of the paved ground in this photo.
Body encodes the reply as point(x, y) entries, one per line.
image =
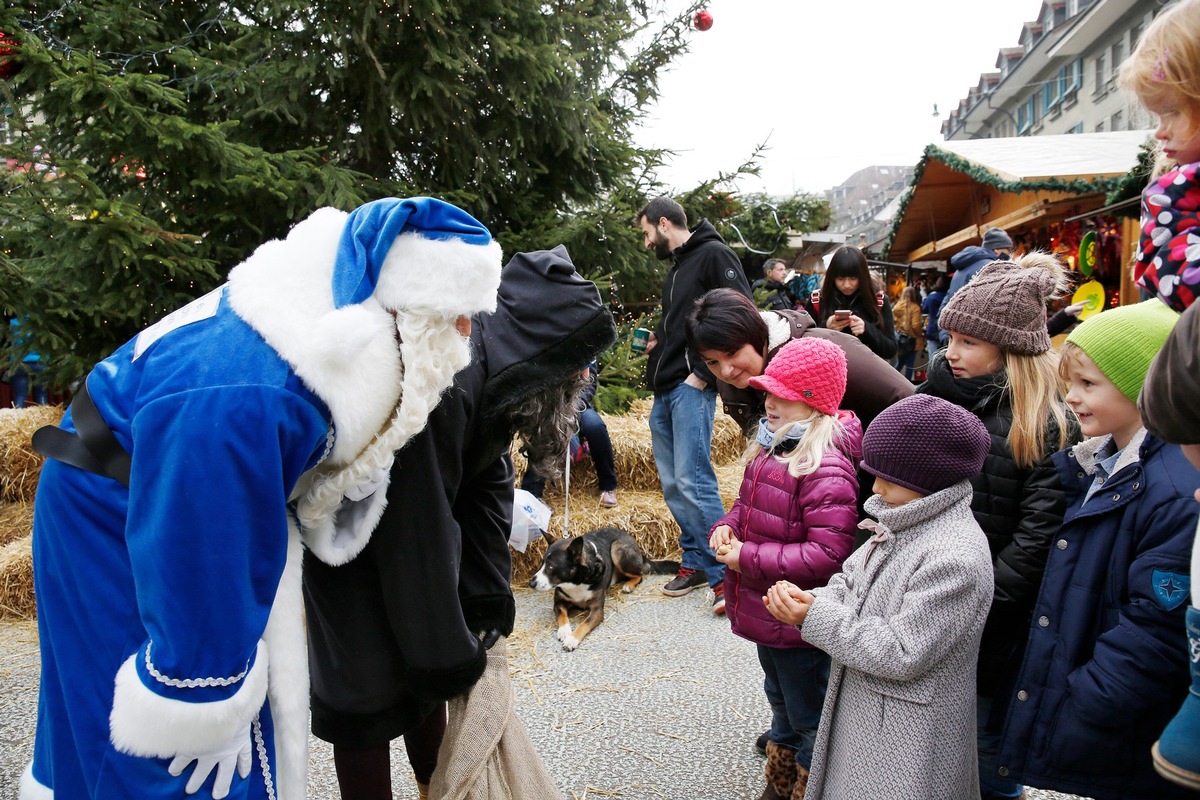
point(661, 701)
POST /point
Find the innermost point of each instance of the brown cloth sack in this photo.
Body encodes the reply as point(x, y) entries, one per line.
point(487, 753)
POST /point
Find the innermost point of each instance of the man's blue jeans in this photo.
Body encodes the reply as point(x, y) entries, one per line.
point(681, 425)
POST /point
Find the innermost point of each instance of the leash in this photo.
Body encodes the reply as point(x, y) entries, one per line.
point(567, 492)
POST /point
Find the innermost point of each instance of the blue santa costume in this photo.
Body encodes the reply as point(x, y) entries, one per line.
point(170, 612)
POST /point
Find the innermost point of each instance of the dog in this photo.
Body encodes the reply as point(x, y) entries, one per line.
point(581, 569)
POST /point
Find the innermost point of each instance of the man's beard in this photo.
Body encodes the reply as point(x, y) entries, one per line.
point(662, 248)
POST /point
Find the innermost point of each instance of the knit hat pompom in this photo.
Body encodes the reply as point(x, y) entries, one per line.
point(925, 443)
point(812, 371)
point(1122, 342)
point(1005, 303)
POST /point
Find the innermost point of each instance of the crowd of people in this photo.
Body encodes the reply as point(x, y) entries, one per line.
point(288, 504)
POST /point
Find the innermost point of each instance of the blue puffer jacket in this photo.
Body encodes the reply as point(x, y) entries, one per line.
point(1106, 666)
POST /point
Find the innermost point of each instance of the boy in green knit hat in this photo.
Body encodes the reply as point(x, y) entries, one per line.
point(1103, 670)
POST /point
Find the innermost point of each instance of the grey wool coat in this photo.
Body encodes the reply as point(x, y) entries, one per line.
point(902, 624)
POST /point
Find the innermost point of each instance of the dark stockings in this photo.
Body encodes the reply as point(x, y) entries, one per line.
point(363, 774)
point(367, 774)
point(422, 744)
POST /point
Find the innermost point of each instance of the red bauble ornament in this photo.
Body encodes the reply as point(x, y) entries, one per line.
point(9, 65)
point(702, 21)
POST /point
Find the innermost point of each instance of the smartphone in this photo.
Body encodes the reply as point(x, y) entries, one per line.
point(842, 313)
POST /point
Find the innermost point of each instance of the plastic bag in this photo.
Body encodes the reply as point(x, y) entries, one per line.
point(531, 517)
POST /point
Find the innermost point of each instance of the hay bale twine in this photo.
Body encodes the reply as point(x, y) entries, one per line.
point(16, 579)
point(19, 465)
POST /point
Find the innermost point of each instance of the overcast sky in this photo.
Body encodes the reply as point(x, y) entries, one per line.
point(831, 85)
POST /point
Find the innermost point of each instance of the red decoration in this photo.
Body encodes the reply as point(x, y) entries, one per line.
point(702, 21)
point(9, 65)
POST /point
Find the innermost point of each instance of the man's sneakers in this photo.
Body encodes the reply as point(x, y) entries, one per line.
point(718, 605)
point(684, 582)
point(609, 499)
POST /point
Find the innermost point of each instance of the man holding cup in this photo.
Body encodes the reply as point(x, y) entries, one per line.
point(685, 395)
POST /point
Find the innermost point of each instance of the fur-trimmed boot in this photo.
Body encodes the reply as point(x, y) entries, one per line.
point(1177, 751)
point(801, 783)
point(422, 791)
point(780, 771)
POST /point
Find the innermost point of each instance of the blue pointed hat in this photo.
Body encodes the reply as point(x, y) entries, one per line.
point(418, 252)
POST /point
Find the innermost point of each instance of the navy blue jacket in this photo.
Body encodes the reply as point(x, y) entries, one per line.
point(1106, 665)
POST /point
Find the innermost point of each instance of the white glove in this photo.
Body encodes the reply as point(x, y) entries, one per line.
point(365, 490)
point(223, 757)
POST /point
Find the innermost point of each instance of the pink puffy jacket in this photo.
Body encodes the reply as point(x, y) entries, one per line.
point(795, 529)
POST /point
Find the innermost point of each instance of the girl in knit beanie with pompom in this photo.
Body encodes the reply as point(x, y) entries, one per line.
point(999, 366)
point(794, 520)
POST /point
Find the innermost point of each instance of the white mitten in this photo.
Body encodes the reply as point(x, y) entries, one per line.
point(236, 751)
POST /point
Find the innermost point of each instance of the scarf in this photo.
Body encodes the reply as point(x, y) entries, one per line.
point(791, 437)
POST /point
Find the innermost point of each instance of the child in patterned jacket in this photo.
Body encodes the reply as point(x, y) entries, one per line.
point(1164, 72)
point(902, 621)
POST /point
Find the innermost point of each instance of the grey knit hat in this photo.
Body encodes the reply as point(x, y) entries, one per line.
point(1168, 399)
point(1004, 304)
point(925, 443)
point(997, 238)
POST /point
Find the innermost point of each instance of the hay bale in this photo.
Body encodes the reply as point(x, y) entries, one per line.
point(634, 453)
point(19, 465)
point(16, 579)
point(16, 521)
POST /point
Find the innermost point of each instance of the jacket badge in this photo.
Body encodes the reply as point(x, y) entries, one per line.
point(1171, 588)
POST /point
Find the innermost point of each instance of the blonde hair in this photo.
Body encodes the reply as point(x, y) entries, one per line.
point(805, 457)
point(1032, 381)
point(1166, 60)
point(1035, 392)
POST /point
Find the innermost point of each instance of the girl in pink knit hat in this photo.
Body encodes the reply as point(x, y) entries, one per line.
point(794, 520)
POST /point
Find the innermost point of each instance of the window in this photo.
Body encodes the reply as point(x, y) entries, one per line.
point(1049, 95)
point(1101, 74)
point(1100, 126)
point(1118, 54)
point(1116, 121)
point(1078, 128)
point(1135, 34)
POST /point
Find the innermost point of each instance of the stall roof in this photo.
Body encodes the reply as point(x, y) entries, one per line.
point(941, 211)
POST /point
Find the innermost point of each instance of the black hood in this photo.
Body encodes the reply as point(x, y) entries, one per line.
point(549, 323)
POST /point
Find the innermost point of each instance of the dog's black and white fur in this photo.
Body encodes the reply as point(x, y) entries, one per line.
point(581, 569)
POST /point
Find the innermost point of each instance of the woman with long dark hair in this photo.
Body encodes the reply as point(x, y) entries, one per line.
point(848, 303)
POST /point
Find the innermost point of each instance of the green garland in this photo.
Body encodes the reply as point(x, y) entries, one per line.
point(1131, 184)
point(983, 175)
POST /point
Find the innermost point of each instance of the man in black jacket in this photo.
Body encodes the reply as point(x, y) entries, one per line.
point(405, 625)
point(685, 395)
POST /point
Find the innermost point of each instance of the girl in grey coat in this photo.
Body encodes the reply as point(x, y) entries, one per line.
point(902, 621)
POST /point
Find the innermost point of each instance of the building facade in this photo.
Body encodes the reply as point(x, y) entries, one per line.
point(1061, 75)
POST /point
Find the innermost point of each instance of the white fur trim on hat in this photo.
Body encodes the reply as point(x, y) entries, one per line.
point(446, 276)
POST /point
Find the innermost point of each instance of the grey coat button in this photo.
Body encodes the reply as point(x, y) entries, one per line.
point(1062, 544)
point(1022, 695)
point(1043, 621)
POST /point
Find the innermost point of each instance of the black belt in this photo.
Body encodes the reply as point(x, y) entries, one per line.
point(93, 447)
